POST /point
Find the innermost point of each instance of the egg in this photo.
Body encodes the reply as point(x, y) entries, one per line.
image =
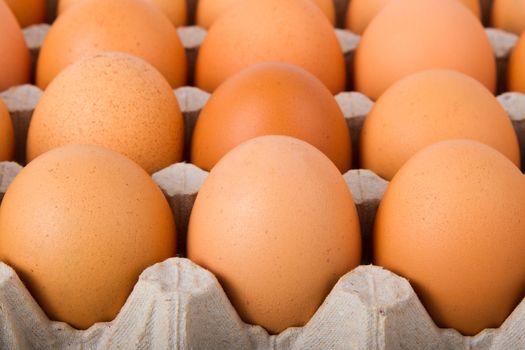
point(175, 10)
point(28, 12)
point(15, 64)
point(451, 222)
point(113, 100)
point(508, 15)
point(209, 10)
point(516, 69)
point(92, 26)
point(79, 224)
point(408, 36)
point(7, 143)
point(277, 225)
point(271, 98)
point(428, 107)
point(293, 31)
point(361, 12)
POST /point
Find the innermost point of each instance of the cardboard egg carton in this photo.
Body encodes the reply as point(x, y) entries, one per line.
point(177, 304)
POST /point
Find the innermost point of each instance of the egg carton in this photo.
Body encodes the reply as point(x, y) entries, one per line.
point(177, 304)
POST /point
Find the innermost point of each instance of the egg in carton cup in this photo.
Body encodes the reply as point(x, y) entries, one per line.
point(177, 304)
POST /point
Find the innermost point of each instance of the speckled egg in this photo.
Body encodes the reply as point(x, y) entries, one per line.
point(92, 26)
point(15, 64)
point(28, 12)
point(451, 222)
point(271, 98)
point(79, 224)
point(209, 10)
point(428, 107)
point(277, 225)
point(408, 36)
point(293, 31)
point(175, 10)
point(114, 100)
point(7, 143)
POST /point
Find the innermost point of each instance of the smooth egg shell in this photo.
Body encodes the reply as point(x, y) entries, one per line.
point(408, 36)
point(361, 12)
point(7, 142)
point(92, 26)
point(451, 222)
point(28, 12)
point(293, 31)
point(277, 225)
point(508, 15)
point(516, 68)
point(271, 98)
point(175, 10)
point(79, 224)
point(15, 64)
point(209, 10)
point(429, 107)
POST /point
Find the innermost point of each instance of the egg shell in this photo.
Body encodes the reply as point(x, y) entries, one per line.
point(114, 100)
point(276, 223)
point(428, 107)
point(408, 36)
point(28, 12)
point(92, 26)
point(21, 102)
point(79, 225)
point(516, 68)
point(263, 31)
point(361, 12)
point(6, 134)
point(175, 10)
point(15, 64)
point(271, 98)
point(508, 15)
point(451, 222)
point(209, 10)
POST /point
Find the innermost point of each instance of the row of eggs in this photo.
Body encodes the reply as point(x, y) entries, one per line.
point(505, 14)
point(405, 37)
point(274, 221)
point(121, 102)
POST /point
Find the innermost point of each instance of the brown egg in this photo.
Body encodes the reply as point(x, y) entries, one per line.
point(15, 64)
point(92, 26)
point(7, 142)
point(209, 10)
point(508, 15)
point(293, 31)
point(113, 100)
point(277, 225)
point(412, 35)
point(516, 68)
point(361, 12)
point(78, 225)
point(28, 12)
point(428, 107)
point(176, 10)
point(451, 222)
point(271, 99)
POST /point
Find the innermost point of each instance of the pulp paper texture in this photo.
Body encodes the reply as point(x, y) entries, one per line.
point(178, 305)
